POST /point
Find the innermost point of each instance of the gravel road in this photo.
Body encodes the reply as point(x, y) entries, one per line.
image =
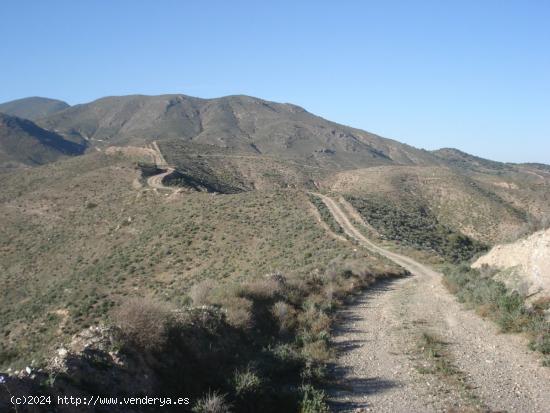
point(377, 338)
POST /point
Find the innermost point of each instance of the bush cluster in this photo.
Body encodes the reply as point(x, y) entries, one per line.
point(325, 214)
point(261, 345)
point(493, 300)
point(414, 225)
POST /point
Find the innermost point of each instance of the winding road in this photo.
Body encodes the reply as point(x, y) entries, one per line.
point(377, 340)
point(155, 181)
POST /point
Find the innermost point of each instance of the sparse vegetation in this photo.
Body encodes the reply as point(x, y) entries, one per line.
point(313, 400)
point(67, 264)
point(508, 309)
point(144, 323)
point(181, 279)
point(212, 403)
point(436, 360)
point(414, 225)
point(264, 344)
point(326, 216)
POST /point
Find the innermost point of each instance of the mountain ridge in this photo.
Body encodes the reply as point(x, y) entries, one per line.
point(237, 121)
point(33, 107)
point(240, 121)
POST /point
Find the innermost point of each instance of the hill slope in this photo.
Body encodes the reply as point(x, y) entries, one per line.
point(81, 234)
point(24, 143)
point(250, 124)
point(239, 142)
point(33, 107)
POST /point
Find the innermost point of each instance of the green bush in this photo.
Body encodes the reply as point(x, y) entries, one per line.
point(415, 225)
point(508, 309)
point(326, 215)
point(246, 382)
point(313, 400)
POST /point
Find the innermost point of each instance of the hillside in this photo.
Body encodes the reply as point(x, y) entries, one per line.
point(524, 264)
point(24, 143)
point(249, 124)
point(33, 107)
point(239, 143)
point(83, 234)
point(486, 206)
point(197, 232)
point(459, 159)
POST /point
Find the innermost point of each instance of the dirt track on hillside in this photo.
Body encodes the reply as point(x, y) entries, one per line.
point(155, 181)
point(377, 339)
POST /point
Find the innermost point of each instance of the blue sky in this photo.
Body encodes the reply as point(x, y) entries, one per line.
point(468, 74)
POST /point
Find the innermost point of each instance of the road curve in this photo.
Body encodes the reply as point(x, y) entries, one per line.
point(377, 366)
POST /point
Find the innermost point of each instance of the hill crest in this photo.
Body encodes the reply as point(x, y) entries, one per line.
point(33, 108)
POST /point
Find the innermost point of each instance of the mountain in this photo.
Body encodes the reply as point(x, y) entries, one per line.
point(249, 124)
point(207, 208)
point(24, 143)
point(33, 107)
point(240, 143)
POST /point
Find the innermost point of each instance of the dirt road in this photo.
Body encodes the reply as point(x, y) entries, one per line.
point(378, 365)
point(155, 181)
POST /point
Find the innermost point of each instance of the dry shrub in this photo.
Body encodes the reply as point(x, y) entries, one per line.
point(284, 314)
point(298, 288)
point(356, 267)
point(212, 403)
point(486, 271)
point(143, 322)
point(246, 382)
point(450, 285)
point(317, 351)
point(239, 311)
point(541, 304)
point(263, 289)
point(485, 310)
point(201, 293)
point(320, 324)
point(329, 294)
point(314, 320)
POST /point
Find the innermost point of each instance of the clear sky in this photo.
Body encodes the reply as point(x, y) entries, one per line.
point(468, 74)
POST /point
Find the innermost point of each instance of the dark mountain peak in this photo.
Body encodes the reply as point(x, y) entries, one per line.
point(33, 107)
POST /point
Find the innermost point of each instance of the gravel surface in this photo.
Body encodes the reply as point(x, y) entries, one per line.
point(377, 339)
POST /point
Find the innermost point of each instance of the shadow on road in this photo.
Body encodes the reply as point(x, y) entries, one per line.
point(344, 384)
point(353, 386)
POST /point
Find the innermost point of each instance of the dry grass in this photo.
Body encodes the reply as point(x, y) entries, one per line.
point(239, 312)
point(212, 402)
point(263, 289)
point(201, 293)
point(508, 309)
point(143, 323)
point(60, 253)
point(285, 315)
point(204, 250)
point(436, 360)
